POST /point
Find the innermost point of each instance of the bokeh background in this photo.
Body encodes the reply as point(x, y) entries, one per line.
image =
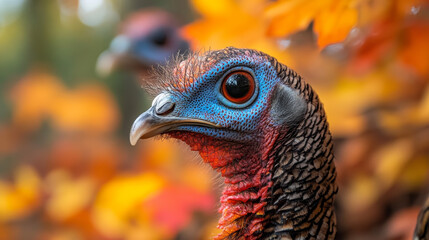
point(67, 170)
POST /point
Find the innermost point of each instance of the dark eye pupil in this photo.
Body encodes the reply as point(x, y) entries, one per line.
point(237, 86)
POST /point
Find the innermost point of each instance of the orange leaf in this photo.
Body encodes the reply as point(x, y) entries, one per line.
point(361, 193)
point(334, 24)
point(416, 50)
point(245, 29)
point(21, 197)
point(32, 98)
point(118, 200)
point(333, 20)
point(372, 46)
point(88, 108)
point(287, 17)
point(422, 112)
point(390, 161)
point(68, 196)
point(220, 8)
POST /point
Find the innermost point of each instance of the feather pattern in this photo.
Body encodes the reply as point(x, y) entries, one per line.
point(304, 188)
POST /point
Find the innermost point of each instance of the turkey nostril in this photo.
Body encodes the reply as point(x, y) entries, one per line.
point(165, 108)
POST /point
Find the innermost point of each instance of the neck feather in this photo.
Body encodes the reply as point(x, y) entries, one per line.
point(301, 204)
point(303, 185)
point(247, 189)
point(247, 176)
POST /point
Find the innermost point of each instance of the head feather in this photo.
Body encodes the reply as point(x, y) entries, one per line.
point(183, 69)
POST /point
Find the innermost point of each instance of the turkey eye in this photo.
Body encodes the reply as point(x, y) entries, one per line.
point(238, 87)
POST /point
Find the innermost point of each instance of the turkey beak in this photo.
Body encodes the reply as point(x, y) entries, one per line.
point(115, 57)
point(148, 125)
point(159, 119)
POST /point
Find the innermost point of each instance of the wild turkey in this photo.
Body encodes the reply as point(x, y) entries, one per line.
point(264, 129)
point(146, 38)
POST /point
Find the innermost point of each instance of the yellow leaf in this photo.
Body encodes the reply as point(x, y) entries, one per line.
point(246, 29)
point(32, 98)
point(27, 182)
point(361, 193)
point(40, 96)
point(415, 174)
point(88, 108)
point(422, 116)
point(333, 20)
point(350, 96)
point(68, 196)
point(219, 8)
point(334, 24)
point(289, 16)
point(390, 161)
point(119, 199)
point(20, 198)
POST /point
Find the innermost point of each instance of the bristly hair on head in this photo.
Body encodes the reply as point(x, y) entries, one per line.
point(175, 74)
point(184, 68)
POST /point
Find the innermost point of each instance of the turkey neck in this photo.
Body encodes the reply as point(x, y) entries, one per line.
point(245, 169)
point(303, 187)
point(247, 186)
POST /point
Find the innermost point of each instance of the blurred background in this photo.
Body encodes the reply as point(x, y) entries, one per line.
point(70, 76)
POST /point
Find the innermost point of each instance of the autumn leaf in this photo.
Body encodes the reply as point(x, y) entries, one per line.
point(362, 192)
point(390, 161)
point(119, 199)
point(40, 96)
point(372, 46)
point(32, 98)
point(67, 196)
point(89, 108)
point(334, 25)
point(218, 9)
point(218, 29)
point(422, 110)
point(344, 103)
point(333, 20)
point(96, 156)
point(173, 207)
point(415, 174)
point(415, 53)
point(282, 16)
point(20, 197)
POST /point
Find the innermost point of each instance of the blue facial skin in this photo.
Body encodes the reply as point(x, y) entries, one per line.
point(204, 100)
point(158, 46)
